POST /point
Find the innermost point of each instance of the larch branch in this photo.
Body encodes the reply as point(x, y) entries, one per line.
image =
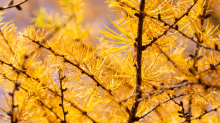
point(17, 5)
point(138, 62)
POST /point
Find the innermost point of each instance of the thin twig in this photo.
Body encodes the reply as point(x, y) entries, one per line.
point(206, 112)
point(13, 5)
point(62, 96)
point(163, 88)
point(211, 67)
point(189, 113)
point(179, 85)
point(13, 105)
point(154, 108)
point(199, 41)
point(198, 35)
point(183, 113)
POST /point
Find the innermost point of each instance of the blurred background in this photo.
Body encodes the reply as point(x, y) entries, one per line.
point(95, 13)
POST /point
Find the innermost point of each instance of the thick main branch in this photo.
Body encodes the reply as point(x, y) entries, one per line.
point(138, 62)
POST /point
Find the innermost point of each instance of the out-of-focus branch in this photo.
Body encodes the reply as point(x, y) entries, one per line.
point(6, 41)
point(212, 67)
point(11, 5)
point(195, 61)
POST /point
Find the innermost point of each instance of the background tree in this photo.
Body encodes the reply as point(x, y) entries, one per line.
point(143, 73)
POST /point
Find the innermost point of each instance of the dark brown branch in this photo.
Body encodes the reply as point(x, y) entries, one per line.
point(160, 89)
point(211, 67)
point(178, 85)
point(13, 5)
point(198, 35)
point(183, 34)
point(154, 108)
point(183, 113)
point(191, 38)
point(138, 62)
point(196, 53)
point(62, 96)
point(188, 115)
point(170, 26)
point(153, 93)
point(13, 105)
point(206, 112)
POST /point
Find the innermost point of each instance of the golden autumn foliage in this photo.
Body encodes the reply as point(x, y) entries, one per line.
point(54, 72)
